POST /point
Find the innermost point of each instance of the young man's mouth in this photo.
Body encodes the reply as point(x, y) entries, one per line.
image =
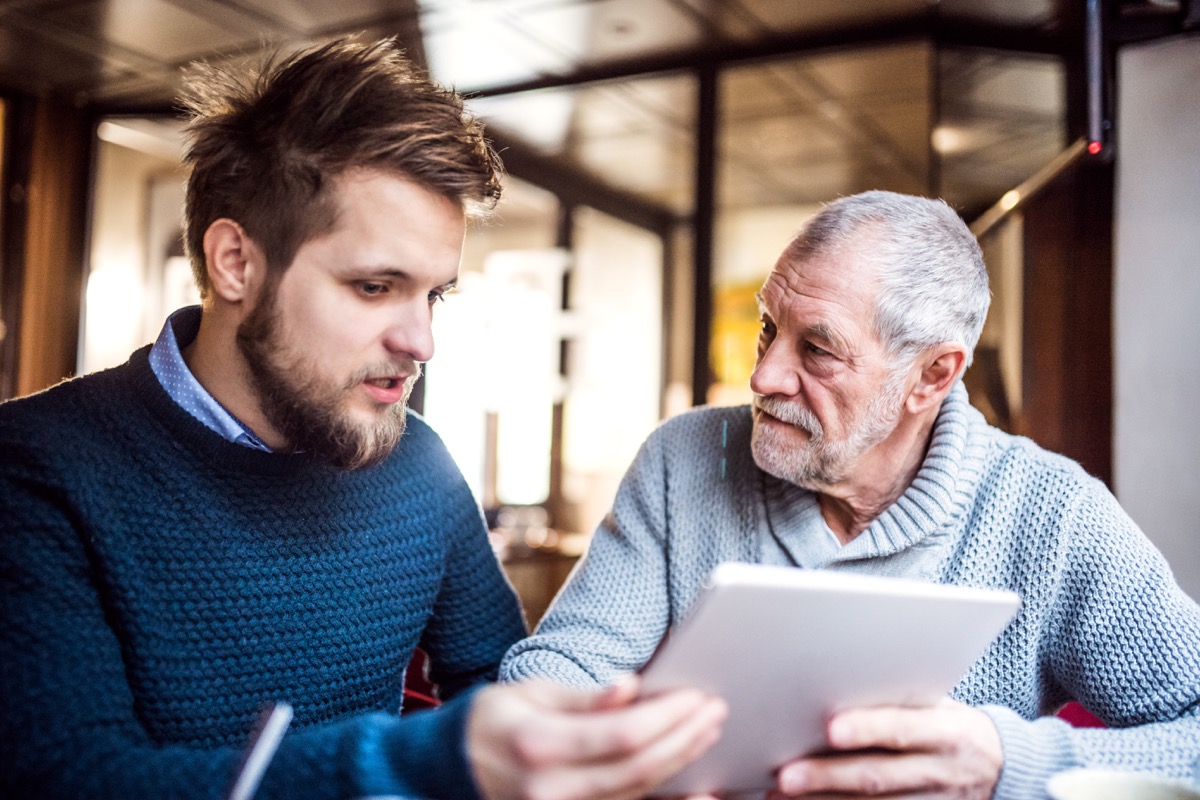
point(389, 389)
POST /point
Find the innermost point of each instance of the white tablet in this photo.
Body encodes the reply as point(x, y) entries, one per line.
point(786, 647)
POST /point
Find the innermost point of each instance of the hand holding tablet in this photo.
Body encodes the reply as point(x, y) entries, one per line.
point(787, 647)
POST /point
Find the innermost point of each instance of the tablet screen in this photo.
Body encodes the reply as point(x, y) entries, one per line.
point(786, 647)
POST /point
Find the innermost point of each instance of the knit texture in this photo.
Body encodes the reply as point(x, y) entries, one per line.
point(1102, 620)
point(161, 584)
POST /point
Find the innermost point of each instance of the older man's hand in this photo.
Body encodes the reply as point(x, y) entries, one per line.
point(946, 750)
point(540, 741)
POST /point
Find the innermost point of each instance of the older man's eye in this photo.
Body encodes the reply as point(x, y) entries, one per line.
point(816, 350)
point(767, 329)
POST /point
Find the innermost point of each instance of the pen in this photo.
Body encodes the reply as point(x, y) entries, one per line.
point(263, 743)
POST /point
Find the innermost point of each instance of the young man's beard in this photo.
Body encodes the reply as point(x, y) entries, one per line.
point(310, 413)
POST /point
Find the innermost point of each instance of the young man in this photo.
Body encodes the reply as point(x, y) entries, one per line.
point(861, 453)
point(246, 513)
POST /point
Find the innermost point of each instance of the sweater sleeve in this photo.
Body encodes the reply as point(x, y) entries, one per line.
point(69, 719)
point(614, 608)
point(1125, 642)
point(477, 615)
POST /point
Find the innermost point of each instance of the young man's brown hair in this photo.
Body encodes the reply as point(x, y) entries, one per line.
point(264, 150)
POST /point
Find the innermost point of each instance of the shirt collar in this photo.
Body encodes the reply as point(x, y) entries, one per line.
point(166, 360)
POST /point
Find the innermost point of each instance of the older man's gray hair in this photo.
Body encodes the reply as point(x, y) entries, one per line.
point(933, 282)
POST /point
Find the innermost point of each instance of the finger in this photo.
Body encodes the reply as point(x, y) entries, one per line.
point(636, 773)
point(615, 733)
point(621, 692)
point(872, 774)
point(555, 697)
point(892, 728)
point(775, 794)
point(678, 747)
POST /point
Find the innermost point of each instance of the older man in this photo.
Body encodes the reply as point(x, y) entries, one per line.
point(862, 453)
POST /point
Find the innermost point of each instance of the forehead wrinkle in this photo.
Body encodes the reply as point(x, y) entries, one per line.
point(843, 279)
point(821, 331)
point(824, 332)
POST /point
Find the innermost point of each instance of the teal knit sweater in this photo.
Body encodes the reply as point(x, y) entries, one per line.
point(1102, 621)
point(160, 585)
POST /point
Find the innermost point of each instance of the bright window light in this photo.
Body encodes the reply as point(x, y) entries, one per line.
point(497, 353)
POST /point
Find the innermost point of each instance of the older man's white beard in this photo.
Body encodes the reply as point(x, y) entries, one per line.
point(819, 463)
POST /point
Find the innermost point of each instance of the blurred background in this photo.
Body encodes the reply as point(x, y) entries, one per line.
point(660, 155)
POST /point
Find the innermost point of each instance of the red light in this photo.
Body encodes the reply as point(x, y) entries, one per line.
point(1095, 147)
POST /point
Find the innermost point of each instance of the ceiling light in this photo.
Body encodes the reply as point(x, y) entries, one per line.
point(948, 139)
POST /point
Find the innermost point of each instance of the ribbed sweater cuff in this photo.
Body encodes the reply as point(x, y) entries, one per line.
point(426, 753)
point(1033, 751)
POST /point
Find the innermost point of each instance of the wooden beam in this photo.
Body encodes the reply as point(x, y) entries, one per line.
point(574, 185)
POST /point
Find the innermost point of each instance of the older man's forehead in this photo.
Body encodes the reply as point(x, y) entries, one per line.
point(843, 276)
point(825, 301)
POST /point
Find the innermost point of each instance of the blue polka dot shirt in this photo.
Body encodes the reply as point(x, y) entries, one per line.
point(166, 360)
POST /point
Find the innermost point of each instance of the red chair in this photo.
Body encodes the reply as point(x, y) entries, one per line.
point(1079, 717)
point(419, 692)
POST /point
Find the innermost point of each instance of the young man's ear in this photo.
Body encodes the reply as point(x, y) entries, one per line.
point(234, 262)
point(941, 366)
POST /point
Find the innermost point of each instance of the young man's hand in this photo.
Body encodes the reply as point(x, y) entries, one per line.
point(946, 750)
point(540, 741)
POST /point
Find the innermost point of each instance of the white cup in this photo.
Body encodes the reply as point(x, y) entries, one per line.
point(1104, 784)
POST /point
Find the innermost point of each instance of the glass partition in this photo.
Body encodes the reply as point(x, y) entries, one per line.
point(994, 379)
point(614, 365)
point(491, 386)
point(635, 135)
point(1001, 118)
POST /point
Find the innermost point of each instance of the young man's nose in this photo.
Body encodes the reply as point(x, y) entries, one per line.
point(411, 333)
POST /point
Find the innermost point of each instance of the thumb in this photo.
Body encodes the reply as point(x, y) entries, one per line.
point(621, 692)
point(555, 697)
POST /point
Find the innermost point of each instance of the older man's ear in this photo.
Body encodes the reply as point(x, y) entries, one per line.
point(940, 365)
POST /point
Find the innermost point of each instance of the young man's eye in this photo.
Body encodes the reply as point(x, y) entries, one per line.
point(436, 295)
point(371, 289)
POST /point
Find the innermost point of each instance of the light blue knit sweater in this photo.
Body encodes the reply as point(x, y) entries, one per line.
point(1102, 621)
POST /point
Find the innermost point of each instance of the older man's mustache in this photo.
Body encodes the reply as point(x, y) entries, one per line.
point(791, 413)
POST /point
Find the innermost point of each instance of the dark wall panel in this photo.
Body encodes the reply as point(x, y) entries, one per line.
point(1067, 371)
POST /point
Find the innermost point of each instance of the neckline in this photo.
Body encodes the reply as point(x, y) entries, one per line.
point(205, 443)
point(937, 496)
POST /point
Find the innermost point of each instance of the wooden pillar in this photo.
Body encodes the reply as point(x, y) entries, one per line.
point(51, 270)
point(704, 221)
point(1067, 372)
